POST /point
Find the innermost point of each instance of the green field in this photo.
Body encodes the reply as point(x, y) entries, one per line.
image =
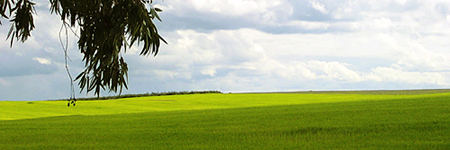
point(324, 120)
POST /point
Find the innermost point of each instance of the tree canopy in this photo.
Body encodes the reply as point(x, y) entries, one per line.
point(106, 29)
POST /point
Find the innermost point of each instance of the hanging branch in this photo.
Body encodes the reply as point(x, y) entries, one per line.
point(106, 29)
point(103, 28)
point(72, 100)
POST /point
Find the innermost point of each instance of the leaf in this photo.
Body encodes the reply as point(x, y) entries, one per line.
point(154, 14)
point(158, 10)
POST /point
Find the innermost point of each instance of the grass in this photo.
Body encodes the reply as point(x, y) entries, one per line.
point(232, 121)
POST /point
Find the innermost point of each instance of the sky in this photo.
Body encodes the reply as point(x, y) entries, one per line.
point(255, 46)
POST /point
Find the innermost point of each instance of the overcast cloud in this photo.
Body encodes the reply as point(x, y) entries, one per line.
point(256, 45)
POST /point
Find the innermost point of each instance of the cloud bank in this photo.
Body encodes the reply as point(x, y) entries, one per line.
point(258, 45)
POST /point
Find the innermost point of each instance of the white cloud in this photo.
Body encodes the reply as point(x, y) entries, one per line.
point(237, 55)
point(310, 25)
point(168, 74)
point(209, 71)
point(385, 74)
point(319, 7)
point(334, 71)
point(227, 7)
point(44, 61)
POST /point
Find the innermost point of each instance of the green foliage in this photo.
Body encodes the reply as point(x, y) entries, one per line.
point(22, 21)
point(107, 29)
point(5, 6)
point(233, 121)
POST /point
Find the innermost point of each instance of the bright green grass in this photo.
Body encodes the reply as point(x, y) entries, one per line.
point(12, 110)
point(232, 121)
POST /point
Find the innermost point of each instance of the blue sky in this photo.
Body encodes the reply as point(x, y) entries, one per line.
point(256, 45)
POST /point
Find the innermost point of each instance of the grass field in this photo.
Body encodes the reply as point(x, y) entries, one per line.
point(325, 120)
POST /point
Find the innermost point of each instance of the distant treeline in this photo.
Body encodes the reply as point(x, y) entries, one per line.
point(147, 94)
